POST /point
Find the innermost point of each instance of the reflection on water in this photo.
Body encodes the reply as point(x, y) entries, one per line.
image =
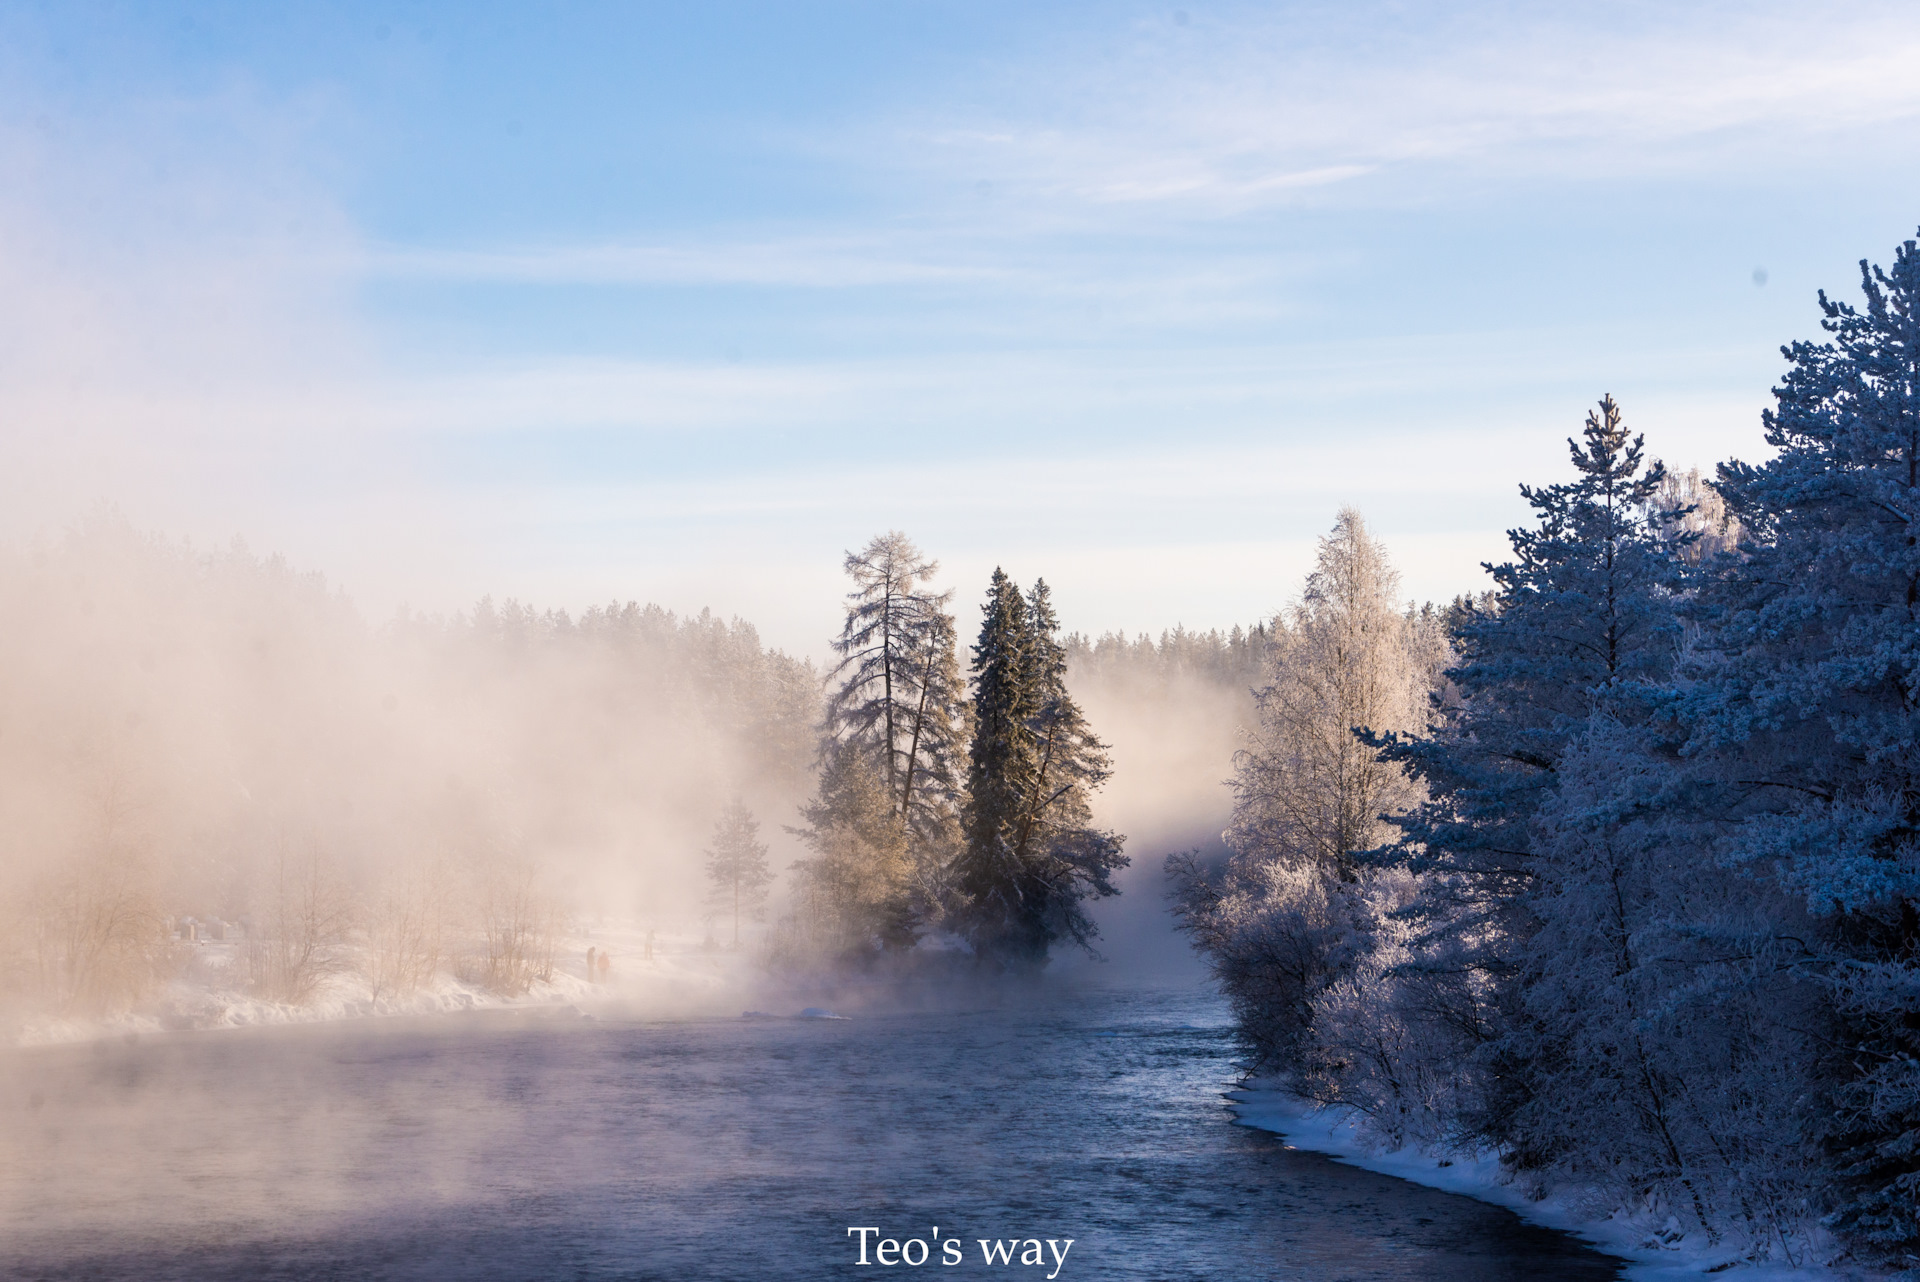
point(552, 1146)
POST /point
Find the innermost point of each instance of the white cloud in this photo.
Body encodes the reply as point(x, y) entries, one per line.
point(1270, 107)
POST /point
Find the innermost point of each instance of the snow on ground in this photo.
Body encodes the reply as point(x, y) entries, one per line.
point(1656, 1252)
point(684, 976)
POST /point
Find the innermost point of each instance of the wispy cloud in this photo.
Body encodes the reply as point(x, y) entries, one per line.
point(1262, 108)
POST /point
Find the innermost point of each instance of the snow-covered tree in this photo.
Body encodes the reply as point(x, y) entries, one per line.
point(1292, 914)
point(737, 866)
point(1808, 695)
point(1307, 790)
point(1663, 1017)
point(1583, 618)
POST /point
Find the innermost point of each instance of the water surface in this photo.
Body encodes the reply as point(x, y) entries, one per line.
point(551, 1146)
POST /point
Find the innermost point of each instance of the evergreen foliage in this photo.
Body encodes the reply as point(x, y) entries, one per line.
point(1806, 697)
point(1582, 620)
point(1031, 856)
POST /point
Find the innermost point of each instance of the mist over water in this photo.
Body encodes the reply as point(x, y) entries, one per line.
point(1173, 736)
point(552, 1144)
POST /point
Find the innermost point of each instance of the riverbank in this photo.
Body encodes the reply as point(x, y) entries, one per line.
point(1655, 1250)
point(671, 975)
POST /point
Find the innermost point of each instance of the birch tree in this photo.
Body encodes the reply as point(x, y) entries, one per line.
point(1291, 915)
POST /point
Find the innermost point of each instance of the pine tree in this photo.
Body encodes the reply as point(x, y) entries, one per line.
point(737, 865)
point(1662, 1017)
point(1807, 693)
point(1583, 619)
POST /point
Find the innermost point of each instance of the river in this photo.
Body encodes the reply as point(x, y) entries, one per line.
point(546, 1144)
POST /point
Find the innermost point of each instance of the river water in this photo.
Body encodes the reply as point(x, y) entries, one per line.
point(550, 1145)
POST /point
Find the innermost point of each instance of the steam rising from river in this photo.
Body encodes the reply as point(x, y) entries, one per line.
point(224, 739)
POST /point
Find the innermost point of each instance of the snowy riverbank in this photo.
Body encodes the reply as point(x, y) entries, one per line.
point(682, 976)
point(1656, 1251)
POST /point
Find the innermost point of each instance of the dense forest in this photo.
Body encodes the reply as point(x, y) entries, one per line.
point(1613, 871)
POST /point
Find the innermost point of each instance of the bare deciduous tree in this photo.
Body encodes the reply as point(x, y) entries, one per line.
point(295, 944)
point(406, 934)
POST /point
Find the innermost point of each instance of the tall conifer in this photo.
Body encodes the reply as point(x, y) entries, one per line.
point(1583, 621)
point(1807, 694)
point(1032, 855)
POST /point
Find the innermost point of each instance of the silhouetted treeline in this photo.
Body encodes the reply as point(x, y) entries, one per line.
point(1230, 658)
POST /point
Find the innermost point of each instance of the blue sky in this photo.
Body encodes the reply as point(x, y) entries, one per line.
point(574, 302)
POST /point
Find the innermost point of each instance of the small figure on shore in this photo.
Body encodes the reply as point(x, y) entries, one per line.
point(606, 964)
point(592, 974)
point(649, 952)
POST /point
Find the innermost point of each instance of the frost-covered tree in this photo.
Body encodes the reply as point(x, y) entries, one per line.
point(737, 865)
point(1582, 619)
point(1808, 695)
point(1660, 1010)
point(1700, 515)
point(1293, 913)
point(1032, 856)
point(1307, 790)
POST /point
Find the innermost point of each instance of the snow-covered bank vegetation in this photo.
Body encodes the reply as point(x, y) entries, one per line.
point(1656, 1245)
point(648, 973)
point(1634, 903)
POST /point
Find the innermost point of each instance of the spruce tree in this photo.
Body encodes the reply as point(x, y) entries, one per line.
point(1032, 856)
point(1069, 859)
point(998, 917)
